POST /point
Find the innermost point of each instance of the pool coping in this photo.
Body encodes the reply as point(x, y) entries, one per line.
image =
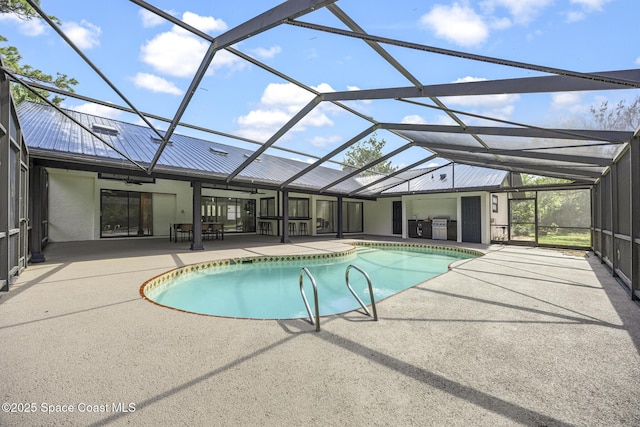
point(163, 278)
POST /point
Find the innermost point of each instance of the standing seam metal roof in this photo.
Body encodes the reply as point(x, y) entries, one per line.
point(50, 131)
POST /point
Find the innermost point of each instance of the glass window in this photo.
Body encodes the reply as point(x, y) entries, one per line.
point(327, 214)
point(236, 215)
point(268, 207)
point(494, 203)
point(298, 208)
point(352, 217)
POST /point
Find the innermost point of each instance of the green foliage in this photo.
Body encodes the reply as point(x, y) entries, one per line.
point(528, 179)
point(19, 8)
point(566, 208)
point(12, 60)
point(367, 151)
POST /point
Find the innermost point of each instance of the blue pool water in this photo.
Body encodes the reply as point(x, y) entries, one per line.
point(271, 290)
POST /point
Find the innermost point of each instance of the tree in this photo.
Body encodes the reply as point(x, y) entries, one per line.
point(11, 58)
point(618, 117)
point(365, 152)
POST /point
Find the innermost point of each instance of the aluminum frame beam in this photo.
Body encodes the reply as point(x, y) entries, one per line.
point(394, 174)
point(284, 129)
point(368, 166)
point(524, 85)
point(253, 26)
point(333, 153)
point(86, 59)
point(569, 173)
point(526, 153)
point(459, 54)
point(610, 136)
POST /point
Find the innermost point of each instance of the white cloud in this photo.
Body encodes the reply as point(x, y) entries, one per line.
point(264, 119)
point(85, 35)
point(522, 11)
point(278, 104)
point(97, 110)
point(174, 54)
point(30, 27)
point(155, 84)
point(500, 23)
point(414, 119)
point(591, 5)
point(575, 16)
point(150, 19)
point(458, 24)
point(324, 141)
point(285, 94)
point(585, 7)
point(179, 53)
point(485, 101)
point(638, 60)
point(263, 53)
point(208, 24)
point(564, 99)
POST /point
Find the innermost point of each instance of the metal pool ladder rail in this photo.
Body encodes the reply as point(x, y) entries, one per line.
point(315, 297)
point(373, 302)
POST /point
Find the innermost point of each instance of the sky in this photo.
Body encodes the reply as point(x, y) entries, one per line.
point(152, 62)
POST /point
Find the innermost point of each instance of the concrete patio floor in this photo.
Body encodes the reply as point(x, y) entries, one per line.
point(519, 336)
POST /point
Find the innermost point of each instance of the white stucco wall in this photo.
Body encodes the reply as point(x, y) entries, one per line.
point(378, 217)
point(74, 204)
point(72, 208)
point(447, 205)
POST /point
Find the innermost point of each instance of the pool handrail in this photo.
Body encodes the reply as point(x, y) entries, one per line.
point(306, 271)
point(373, 302)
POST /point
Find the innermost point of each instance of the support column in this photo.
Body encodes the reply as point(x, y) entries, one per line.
point(36, 199)
point(340, 234)
point(196, 243)
point(634, 188)
point(285, 218)
point(5, 147)
point(613, 211)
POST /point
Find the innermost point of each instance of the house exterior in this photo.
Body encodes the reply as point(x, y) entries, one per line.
point(95, 193)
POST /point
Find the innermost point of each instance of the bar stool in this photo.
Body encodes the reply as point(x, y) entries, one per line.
point(302, 229)
point(262, 227)
point(268, 228)
point(292, 228)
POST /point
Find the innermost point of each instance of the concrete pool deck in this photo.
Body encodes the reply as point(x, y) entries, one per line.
point(520, 336)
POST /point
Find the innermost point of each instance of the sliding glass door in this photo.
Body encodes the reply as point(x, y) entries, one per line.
point(125, 213)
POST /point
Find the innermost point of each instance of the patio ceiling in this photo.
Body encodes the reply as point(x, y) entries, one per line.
point(580, 155)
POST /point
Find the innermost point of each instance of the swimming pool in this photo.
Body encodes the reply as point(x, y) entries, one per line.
point(268, 287)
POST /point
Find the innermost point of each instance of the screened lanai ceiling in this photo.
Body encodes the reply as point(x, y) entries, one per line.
point(303, 69)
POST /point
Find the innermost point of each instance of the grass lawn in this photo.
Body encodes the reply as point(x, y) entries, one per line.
point(568, 239)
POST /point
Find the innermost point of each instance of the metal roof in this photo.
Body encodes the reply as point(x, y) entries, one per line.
point(51, 135)
point(580, 155)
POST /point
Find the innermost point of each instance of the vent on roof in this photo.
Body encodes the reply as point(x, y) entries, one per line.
point(443, 176)
point(218, 151)
point(257, 159)
point(159, 141)
point(105, 129)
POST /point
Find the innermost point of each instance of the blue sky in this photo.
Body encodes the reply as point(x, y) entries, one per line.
point(152, 62)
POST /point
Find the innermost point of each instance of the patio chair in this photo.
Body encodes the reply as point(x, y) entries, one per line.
point(182, 229)
point(218, 230)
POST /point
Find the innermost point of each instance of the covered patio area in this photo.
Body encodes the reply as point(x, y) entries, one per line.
point(520, 335)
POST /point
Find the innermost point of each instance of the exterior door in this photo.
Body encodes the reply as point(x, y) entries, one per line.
point(471, 219)
point(397, 218)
